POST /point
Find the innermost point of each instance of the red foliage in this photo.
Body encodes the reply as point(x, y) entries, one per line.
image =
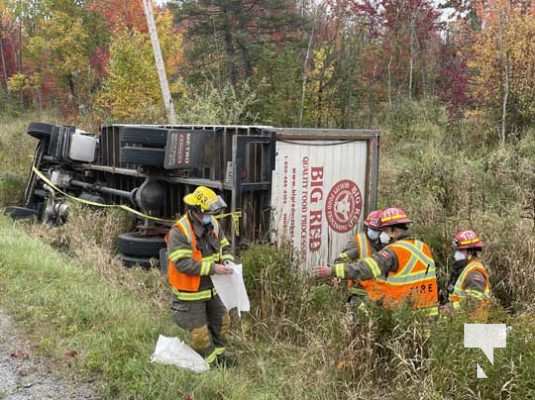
point(453, 80)
point(10, 46)
point(121, 14)
point(99, 60)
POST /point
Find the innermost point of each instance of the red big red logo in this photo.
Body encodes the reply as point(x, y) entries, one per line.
point(343, 206)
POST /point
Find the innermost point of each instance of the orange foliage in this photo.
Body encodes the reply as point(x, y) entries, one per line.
point(121, 14)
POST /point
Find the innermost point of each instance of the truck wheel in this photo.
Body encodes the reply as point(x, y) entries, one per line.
point(136, 245)
point(143, 156)
point(152, 137)
point(143, 262)
point(40, 130)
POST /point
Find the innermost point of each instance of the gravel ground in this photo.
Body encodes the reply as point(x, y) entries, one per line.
point(23, 376)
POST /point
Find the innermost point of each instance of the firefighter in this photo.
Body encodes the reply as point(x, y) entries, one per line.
point(198, 248)
point(468, 285)
point(403, 271)
point(364, 244)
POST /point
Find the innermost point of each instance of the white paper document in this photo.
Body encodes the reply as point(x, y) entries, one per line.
point(231, 289)
point(173, 351)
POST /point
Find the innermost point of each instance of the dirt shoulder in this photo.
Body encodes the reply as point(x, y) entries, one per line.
point(24, 376)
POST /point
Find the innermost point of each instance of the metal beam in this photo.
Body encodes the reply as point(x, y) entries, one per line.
point(325, 134)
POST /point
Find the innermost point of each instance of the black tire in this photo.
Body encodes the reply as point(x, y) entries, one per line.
point(145, 156)
point(143, 262)
point(151, 137)
point(135, 245)
point(40, 130)
point(21, 213)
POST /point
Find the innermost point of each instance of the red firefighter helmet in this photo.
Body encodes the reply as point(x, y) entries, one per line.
point(394, 216)
point(373, 220)
point(467, 240)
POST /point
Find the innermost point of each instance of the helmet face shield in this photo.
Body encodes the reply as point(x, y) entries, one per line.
point(215, 206)
point(205, 200)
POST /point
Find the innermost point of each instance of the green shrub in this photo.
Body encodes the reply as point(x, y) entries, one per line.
point(208, 104)
point(410, 120)
point(11, 189)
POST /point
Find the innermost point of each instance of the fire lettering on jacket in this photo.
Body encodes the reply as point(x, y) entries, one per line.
point(316, 208)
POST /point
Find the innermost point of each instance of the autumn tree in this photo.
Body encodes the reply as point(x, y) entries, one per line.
point(7, 42)
point(503, 64)
point(228, 35)
point(131, 89)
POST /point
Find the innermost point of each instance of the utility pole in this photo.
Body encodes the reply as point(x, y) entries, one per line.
point(160, 66)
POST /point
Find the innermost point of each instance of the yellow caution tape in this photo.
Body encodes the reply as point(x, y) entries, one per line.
point(236, 215)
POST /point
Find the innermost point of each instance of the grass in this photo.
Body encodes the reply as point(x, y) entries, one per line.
point(289, 348)
point(65, 287)
point(68, 307)
point(16, 154)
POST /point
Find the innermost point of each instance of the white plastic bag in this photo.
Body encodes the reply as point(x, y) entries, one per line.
point(231, 289)
point(173, 351)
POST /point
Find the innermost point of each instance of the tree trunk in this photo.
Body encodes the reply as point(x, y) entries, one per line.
point(305, 63)
point(20, 48)
point(246, 59)
point(411, 57)
point(4, 68)
point(389, 81)
point(230, 50)
point(506, 71)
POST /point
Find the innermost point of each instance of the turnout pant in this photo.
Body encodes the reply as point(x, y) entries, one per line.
point(208, 323)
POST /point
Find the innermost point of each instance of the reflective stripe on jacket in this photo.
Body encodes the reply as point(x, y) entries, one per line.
point(462, 291)
point(186, 285)
point(414, 280)
point(370, 285)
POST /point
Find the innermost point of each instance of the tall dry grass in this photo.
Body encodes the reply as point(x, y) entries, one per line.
point(299, 341)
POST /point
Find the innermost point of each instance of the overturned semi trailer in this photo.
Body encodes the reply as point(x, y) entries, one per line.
point(149, 168)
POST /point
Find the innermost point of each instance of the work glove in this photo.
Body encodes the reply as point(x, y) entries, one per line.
point(221, 269)
point(321, 271)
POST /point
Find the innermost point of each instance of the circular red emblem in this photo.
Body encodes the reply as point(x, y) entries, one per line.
point(344, 205)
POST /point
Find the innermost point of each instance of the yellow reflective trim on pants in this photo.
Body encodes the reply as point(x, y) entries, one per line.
point(211, 357)
point(476, 294)
point(194, 296)
point(340, 270)
point(373, 266)
point(180, 253)
point(219, 350)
